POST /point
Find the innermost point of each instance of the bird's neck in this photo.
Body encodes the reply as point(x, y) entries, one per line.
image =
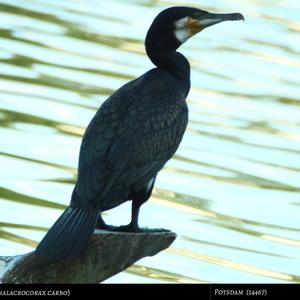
point(175, 63)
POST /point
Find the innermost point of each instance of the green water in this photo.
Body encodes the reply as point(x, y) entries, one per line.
point(231, 192)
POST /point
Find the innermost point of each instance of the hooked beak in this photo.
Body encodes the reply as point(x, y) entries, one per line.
point(188, 27)
point(213, 19)
point(197, 24)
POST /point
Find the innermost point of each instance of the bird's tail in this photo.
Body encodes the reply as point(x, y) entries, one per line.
point(68, 237)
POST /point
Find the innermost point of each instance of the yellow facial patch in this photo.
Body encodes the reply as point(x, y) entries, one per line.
point(186, 28)
point(193, 26)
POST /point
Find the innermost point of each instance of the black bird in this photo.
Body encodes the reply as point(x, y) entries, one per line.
point(132, 136)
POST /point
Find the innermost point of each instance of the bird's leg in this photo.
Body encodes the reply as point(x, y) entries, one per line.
point(103, 226)
point(138, 199)
point(133, 225)
point(135, 209)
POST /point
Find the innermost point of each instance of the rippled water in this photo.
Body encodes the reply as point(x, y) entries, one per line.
point(231, 192)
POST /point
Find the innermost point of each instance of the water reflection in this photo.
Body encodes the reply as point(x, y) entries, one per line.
point(231, 193)
point(231, 264)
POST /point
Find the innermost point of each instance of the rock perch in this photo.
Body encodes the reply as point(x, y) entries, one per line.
point(107, 254)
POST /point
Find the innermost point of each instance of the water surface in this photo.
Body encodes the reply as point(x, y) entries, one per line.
point(231, 192)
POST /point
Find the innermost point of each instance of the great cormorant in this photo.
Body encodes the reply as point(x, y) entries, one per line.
point(132, 136)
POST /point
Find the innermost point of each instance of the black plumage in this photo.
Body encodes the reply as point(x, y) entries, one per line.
point(131, 137)
point(129, 140)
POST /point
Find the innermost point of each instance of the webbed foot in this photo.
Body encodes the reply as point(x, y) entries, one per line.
point(132, 228)
point(103, 226)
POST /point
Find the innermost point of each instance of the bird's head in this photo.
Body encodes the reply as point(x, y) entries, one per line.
point(175, 25)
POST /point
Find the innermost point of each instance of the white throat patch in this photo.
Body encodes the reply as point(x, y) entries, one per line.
point(181, 32)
